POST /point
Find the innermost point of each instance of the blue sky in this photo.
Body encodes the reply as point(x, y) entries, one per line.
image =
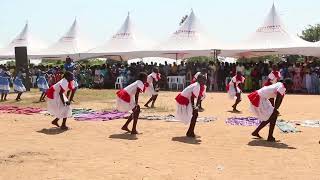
point(226, 20)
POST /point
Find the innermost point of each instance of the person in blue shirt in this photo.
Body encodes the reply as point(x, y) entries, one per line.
point(18, 85)
point(71, 66)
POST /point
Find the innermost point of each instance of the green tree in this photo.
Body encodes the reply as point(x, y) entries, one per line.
point(312, 33)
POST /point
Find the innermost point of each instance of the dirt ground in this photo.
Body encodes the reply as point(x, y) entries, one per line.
point(32, 149)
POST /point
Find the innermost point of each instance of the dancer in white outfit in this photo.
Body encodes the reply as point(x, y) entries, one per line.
point(187, 110)
point(234, 89)
point(58, 104)
point(152, 87)
point(262, 107)
point(127, 100)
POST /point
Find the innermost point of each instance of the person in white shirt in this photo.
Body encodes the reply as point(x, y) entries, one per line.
point(262, 107)
point(234, 89)
point(127, 100)
point(152, 87)
point(187, 110)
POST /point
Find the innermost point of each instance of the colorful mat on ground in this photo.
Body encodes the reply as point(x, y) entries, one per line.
point(170, 118)
point(243, 121)
point(309, 123)
point(284, 126)
point(90, 115)
point(20, 110)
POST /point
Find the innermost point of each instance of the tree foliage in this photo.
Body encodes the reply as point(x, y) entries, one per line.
point(312, 33)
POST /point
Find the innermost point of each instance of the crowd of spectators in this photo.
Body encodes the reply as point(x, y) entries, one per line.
point(305, 75)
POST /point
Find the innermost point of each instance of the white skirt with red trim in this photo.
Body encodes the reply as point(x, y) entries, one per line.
point(184, 113)
point(264, 110)
point(232, 92)
point(57, 109)
point(124, 106)
point(150, 90)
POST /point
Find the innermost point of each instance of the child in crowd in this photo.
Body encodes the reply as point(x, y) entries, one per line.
point(5, 78)
point(18, 85)
point(42, 85)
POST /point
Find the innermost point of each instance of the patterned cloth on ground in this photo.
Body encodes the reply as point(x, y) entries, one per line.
point(243, 121)
point(20, 110)
point(90, 115)
point(286, 127)
point(309, 123)
point(171, 118)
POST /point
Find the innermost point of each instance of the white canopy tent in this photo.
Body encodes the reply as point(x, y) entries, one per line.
point(23, 39)
point(189, 40)
point(270, 38)
point(124, 44)
point(70, 44)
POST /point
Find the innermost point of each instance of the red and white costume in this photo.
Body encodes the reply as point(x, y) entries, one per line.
point(194, 79)
point(149, 85)
point(55, 106)
point(230, 87)
point(260, 104)
point(273, 78)
point(184, 109)
point(125, 100)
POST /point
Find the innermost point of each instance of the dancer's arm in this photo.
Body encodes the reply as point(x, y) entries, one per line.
point(278, 101)
point(62, 99)
point(137, 96)
point(155, 84)
point(235, 87)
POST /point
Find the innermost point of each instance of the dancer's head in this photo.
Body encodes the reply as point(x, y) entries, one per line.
point(204, 70)
point(202, 79)
point(274, 68)
point(143, 77)
point(68, 76)
point(155, 70)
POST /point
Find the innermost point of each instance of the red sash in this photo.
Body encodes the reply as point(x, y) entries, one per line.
point(122, 94)
point(50, 93)
point(268, 83)
point(254, 98)
point(276, 74)
point(193, 80)
point(227, 87)
point(182, 100)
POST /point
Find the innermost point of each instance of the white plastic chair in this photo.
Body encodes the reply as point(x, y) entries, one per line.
point(171, 81)
point(34, 81)
point(119, 82)
point(181, 81)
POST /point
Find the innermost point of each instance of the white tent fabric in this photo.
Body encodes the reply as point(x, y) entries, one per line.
point(125, 42)
point(23, 39)
point(70, 44)
point(190, 39)
point(270, 38)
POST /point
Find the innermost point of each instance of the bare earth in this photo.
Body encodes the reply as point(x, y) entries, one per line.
point(32, 149)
